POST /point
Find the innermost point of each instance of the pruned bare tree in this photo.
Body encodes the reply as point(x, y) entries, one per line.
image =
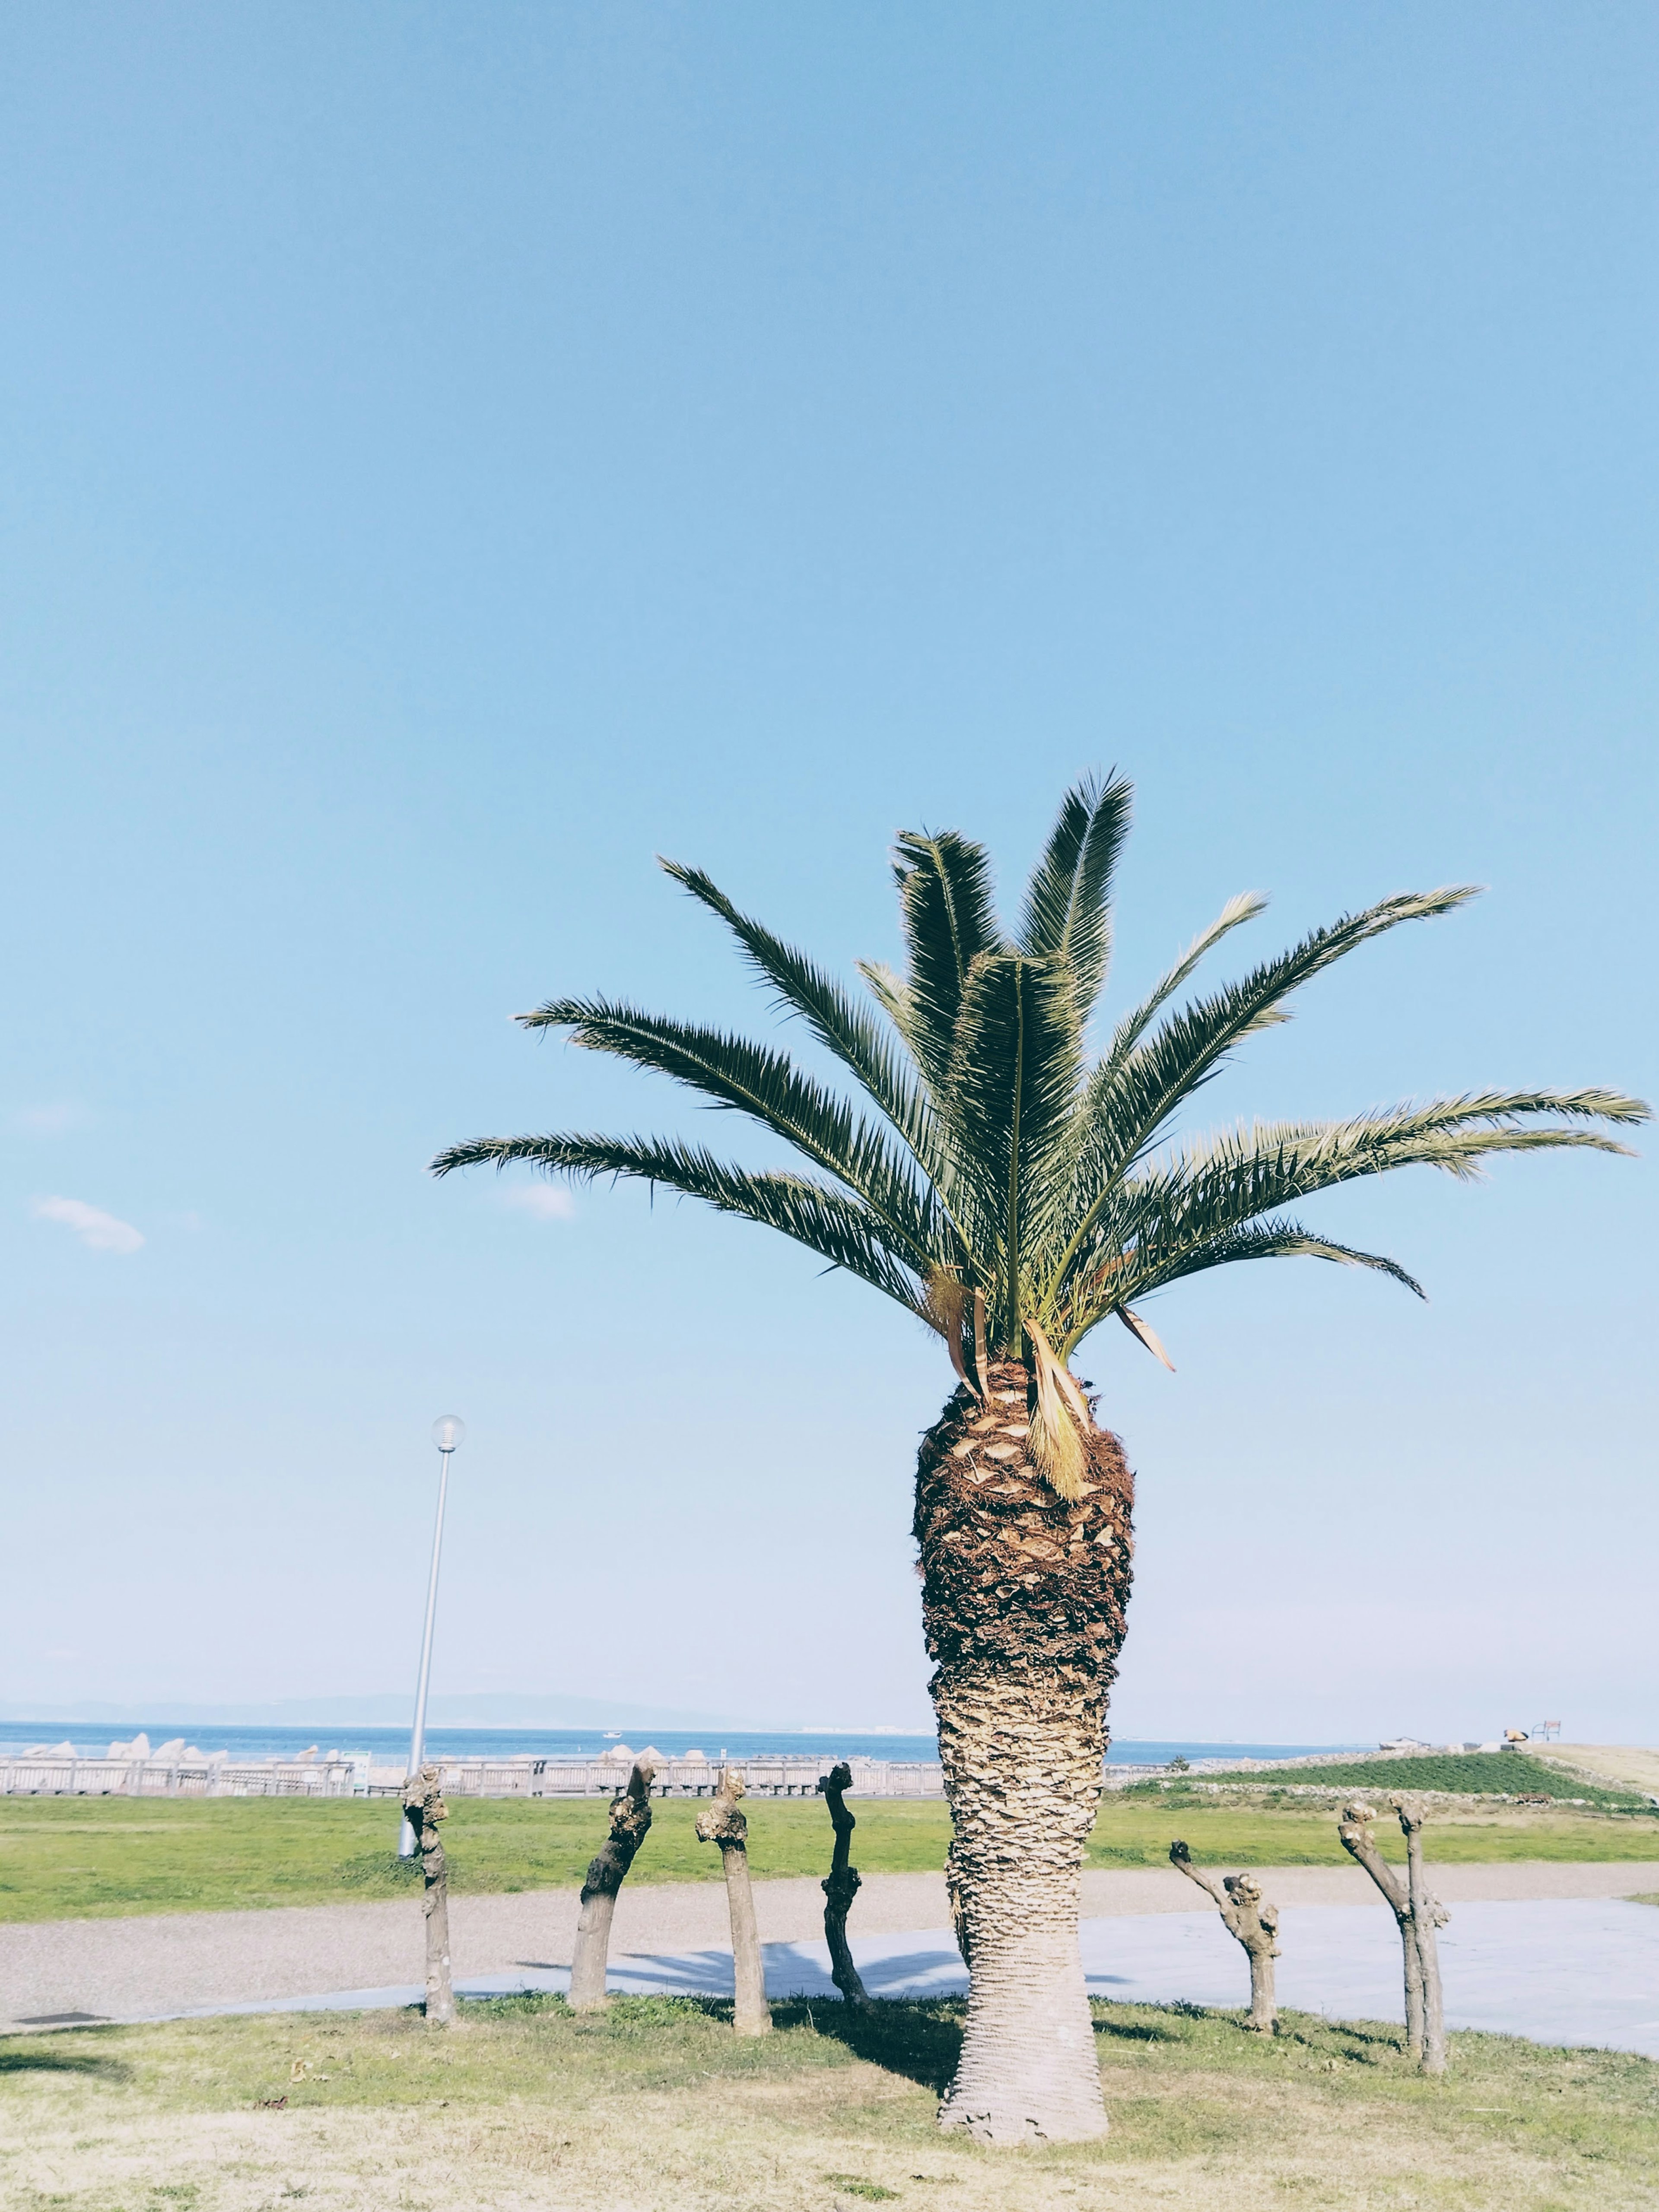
point(1418, 1914)
point(630, 1817)
point(1427, 1915)
point(720, 1822)
point(841, 1887)
point(423, 1808)
point(1248, 1917)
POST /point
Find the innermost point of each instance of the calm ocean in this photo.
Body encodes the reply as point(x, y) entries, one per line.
point(388, 1745)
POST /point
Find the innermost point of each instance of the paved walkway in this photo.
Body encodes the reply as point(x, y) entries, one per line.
point(1546, 1951)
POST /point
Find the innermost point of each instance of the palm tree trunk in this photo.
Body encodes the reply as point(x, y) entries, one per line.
point(1023, 1603)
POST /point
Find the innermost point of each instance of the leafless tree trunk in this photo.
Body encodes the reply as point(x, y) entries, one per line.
point(841, 1887)
point(423, 1808)
point(1427, 1915)
point(630, 1817)
point(720, 1822)
point(1247, 1916)
point(1417, 1936)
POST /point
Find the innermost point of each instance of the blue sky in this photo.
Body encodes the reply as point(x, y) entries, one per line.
point(451, 455)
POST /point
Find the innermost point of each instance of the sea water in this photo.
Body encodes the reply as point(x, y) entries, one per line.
point(389, 1746)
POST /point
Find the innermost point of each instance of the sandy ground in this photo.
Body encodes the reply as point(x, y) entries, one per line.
point(127, 1969)
point(1613, 1763)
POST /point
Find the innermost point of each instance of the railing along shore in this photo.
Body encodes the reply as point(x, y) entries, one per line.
point(344, 1774)
point(525, 1775)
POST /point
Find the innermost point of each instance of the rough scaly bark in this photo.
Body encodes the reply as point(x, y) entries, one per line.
point(1417, 1936)
point(1022, 1605)
point(841, 1887)
point(423, 1808)
point(720, 1822)
point(1248, 1917)
point(630, 1817)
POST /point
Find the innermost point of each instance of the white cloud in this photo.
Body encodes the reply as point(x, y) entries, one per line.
point(53, 1121)
point(98, 1230)
point(543, 1201)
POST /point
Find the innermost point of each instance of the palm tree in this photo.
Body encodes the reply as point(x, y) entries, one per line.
point(1013, 1192)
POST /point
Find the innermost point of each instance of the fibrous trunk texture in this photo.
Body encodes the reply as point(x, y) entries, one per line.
point(720, 1822)
point(1022, 1601)
point(630, 1817)
point(841, 1887)
point(1249, 1918)
point(423, 1808)
point(1418, 1915)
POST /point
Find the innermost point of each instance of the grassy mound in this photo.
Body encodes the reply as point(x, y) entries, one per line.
point(1474, 1773)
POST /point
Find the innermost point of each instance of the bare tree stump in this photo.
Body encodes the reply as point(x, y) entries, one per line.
point(841, 1887)
point(1427, 1915)
point(423, 1808)
point(1248, 1917)
point(720, 1822)
point(630, 1817)
point(1417, 1937)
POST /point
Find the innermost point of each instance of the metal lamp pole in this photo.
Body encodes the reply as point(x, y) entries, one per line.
point(447, 1431)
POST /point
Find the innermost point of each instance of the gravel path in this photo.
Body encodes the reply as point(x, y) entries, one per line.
point(172, 1962)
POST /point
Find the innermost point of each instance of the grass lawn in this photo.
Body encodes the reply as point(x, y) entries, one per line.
point(654, 2106)
point(83, 1857)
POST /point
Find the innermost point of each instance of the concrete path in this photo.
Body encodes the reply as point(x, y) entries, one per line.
point(676, 1936)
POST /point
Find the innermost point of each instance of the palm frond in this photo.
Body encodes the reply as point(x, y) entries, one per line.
point(993, 1181)
point(1249, 1171)
point(837, 1228)
point(1220, 1187)
point(1189, 1048)
point(1262, 1240)
point(949, 920)
point(1012, 1084)
point(838, 1021)
point(1125, 1110)
point(745, 1077)
point(1068, 902)
point(1135, 1025)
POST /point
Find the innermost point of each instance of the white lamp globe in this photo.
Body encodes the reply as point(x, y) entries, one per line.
point(447, 1431)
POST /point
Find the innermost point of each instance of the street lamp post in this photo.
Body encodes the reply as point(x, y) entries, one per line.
point(447, 1431)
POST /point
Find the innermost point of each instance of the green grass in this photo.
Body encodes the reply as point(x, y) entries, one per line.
point(655, 2103)
point(1510, 1773)
point(64, 1858)
point(1135, 1829)
point(89, 1857)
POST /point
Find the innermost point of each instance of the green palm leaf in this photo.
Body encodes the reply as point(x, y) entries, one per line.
point(998, 1162)
point(837, 1228)
point(836, 1020)
point(1129, 1100)
point(949, 918)
point(1012, 1087)
point(1068, 904)
point(1134, 1025)
point(1158, 1266)
point(745, 1077)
